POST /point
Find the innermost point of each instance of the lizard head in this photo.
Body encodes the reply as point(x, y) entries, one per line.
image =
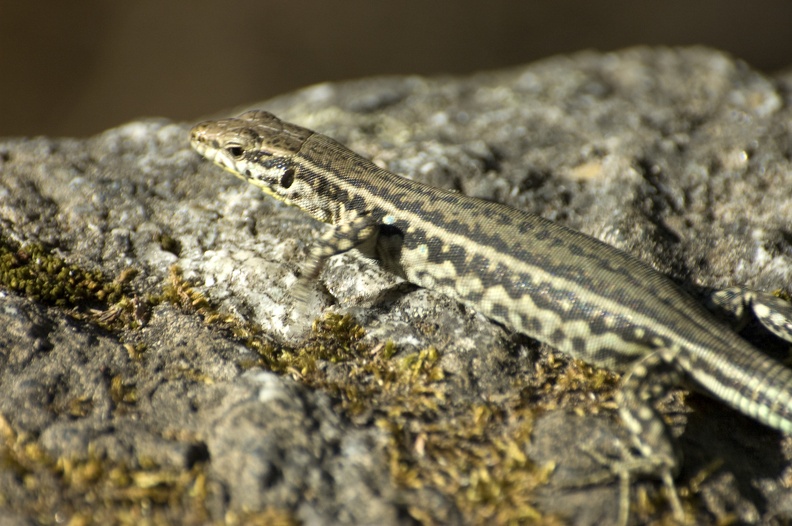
point(259, 148)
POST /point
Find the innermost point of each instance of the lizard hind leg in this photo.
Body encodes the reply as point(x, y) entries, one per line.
point(736, 303)
point(653, 451)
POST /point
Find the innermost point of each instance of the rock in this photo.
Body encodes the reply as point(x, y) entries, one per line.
point(191, 388)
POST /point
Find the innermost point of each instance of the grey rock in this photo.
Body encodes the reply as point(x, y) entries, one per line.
point(274, 443)
point(682, 157)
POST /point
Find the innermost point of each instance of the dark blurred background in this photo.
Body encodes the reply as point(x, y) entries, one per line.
point(76, 68)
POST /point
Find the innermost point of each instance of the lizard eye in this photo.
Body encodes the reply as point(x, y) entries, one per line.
point(234, 151)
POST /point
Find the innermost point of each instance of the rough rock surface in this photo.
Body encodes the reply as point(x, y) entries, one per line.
point(192, 389)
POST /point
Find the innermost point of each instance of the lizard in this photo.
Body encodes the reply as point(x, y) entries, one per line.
point(534, 276)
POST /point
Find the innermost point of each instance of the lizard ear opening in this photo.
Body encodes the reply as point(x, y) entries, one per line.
point(287, 178)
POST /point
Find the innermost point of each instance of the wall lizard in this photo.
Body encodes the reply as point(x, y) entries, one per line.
point(537, 277)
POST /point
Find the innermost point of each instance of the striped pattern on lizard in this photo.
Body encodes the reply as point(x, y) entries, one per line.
point(557, 285)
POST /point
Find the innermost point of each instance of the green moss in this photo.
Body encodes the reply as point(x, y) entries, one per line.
point(333, 339)
point(474, 455)
point(35, 272)
point(80, 406)
point(96, 490)
point(136, 352)
point(180, 293)
point(122, 392)
point(572, 384)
